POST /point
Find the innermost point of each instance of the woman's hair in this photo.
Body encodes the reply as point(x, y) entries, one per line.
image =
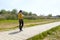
point(20, 11)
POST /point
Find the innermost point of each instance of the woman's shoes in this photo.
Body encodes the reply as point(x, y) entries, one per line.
point(20, 30)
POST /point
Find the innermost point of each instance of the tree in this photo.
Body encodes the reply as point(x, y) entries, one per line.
point(25, 13)
point(9, 12)
point(30, 13)
point(34, 15)
point(14, 11)
point(49, 15)
point(3, 11)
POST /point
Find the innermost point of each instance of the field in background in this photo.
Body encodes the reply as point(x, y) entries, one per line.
point(12, 24)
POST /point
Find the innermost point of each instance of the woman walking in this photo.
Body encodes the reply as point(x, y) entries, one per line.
point(20, 18)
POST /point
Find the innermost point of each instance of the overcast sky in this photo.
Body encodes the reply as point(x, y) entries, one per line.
point(40, 7)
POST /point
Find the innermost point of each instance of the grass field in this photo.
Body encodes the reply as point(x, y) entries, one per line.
point(55, 35)
point(52, 34)
point(12, 24)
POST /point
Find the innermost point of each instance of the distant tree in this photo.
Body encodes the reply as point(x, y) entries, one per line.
point(30, 13)
point(3, 11)
point(34, 15)
point(13, 14)
point(9, 12)
point(49, 15)
point(25, 13)
point(14, 11)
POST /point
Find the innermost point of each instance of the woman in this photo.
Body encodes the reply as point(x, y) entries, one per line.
point(20, 18)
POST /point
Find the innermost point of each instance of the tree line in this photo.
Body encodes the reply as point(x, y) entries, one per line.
point(12, 15)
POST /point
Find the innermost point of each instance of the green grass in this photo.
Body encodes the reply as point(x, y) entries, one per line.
point(40, 20)
point(42, 35)
point(26, 21)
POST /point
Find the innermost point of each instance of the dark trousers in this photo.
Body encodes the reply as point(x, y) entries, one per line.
point(21, 23)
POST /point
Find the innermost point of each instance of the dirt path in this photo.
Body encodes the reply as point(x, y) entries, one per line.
point(27, 32)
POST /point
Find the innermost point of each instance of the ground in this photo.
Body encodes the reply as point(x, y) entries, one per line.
point(27, 32)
